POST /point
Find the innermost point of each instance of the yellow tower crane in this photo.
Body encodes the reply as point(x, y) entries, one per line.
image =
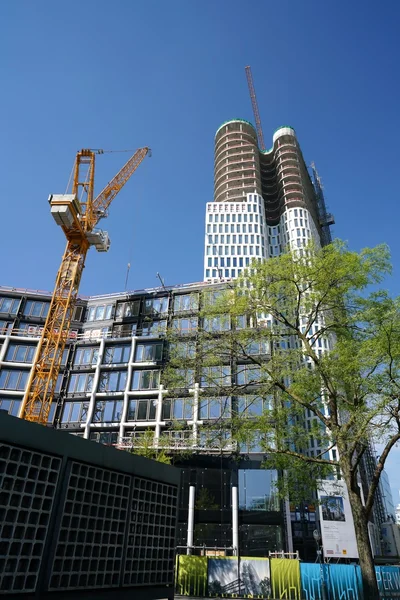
point(78, 219)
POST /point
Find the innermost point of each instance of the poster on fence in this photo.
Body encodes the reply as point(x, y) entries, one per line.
point(337, 527)
point(191, 575)
point(285, 576)
point(246, 577)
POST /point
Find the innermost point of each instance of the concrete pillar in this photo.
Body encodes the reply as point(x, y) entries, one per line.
point(190, 529)
point(4, 348)
point(125, 406)
point(288, 523)
point(195, 416)
point(92, 400)
point(235, 519)
point(157, 433)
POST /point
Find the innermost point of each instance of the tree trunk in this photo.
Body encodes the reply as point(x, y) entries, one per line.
point(367, 565)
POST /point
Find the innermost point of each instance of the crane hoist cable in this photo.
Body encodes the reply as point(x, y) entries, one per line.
point(78, 220)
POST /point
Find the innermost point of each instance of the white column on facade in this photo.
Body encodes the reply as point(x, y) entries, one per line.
point(92, 400)
point(127, 388)
point(235, 520)
point(288, 523)
point(157, 433)
point(190, 529)
point(196, 392)
point(4, 349)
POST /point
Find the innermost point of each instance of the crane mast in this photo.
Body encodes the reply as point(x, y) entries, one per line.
point(254, 103)
point(78, 219)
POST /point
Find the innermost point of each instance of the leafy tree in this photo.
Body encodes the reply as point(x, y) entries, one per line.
point(316, 358)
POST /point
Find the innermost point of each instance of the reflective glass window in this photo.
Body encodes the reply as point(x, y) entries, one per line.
point(20, 353)
point(148, 352)
point(186, 302)
point(86, 356)
point(13, 379)
point(116, 354)
point(257, 490)
point(112, 381)
point(107, 411)
point(145, 380)
point(10, 405)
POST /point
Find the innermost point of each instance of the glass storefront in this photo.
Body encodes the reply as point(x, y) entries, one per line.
point(257, 490)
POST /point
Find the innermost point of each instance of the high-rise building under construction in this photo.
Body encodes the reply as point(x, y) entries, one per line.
point(111, 388)
point(264, 201)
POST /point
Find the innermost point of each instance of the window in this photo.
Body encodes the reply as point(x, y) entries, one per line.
point(189, 325)
point(80, 384)
point(126, 330)
point(215, 438)
point(142, 410)
point(253, 406)
point(148, 352)
point(186, 302)
point(64, 356)
point(247, 374)
point(112, 381)
point(34, 308)
point(75, 412)
point(183, 378)
point(257, 490)
point(241, 322)
point(108, 438)
point(9, 305)
point(177, 408)
point(156, 306)
point(107, 411)
point(145, 380)
point(101, 312)
point(127, 309)
point(255, 442)
point(154, 328)
point(211, 297)
point(181, 350)
point(116, 354)
point(59, 381)
point(10, 405)
point(86, 356)
point(257, 347)
point(215, 376)
point(77, 314)
point(217, 323)
point(20, 353)
point(13, 379)
point(214, 408)
point(5, 326)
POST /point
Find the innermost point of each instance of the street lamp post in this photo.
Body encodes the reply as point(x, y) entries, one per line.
point(317, 538)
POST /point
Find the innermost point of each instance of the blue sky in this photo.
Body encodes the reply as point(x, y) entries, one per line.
point(166, 74)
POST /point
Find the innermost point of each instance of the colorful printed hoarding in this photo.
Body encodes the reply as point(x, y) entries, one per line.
point(244, 577)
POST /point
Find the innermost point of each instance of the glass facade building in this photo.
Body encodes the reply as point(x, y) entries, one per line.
point(111, 390)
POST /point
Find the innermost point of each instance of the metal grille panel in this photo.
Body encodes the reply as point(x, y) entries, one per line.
point(28, 483)
point(151, 539)
point(92, 529)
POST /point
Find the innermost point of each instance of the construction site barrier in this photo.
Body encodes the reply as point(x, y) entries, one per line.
point(283, 578)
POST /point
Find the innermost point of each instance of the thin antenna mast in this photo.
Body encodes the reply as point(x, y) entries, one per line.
point(253, 97)
point(161, 280)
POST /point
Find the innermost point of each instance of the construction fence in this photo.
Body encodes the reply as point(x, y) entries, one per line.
point(250, 577)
